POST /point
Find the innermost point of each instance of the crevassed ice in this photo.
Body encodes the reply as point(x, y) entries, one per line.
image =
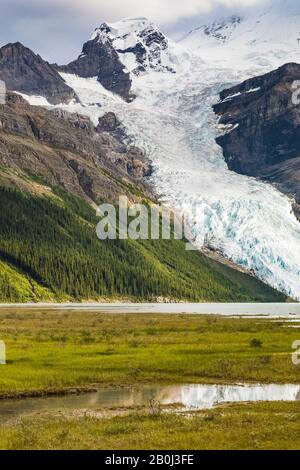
point(249, 221)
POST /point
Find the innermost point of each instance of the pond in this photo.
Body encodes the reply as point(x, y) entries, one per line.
point(189, 397)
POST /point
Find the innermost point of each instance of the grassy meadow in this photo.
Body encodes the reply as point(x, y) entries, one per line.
point(59, 352)
point(273, 426)
point(51, 351)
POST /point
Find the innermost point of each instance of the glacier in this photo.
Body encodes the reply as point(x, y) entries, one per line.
point(250, 222)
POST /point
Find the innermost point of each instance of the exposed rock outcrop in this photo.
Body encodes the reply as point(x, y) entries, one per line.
point(264, 128)
point(100, 59)
point(28, 73)
point(109, 123)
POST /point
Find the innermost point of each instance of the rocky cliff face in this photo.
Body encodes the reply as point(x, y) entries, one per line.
point(263, 138)
point(66, 150)
point(26, 72)
point(100, 59)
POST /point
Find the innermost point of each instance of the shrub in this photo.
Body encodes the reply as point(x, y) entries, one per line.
point(256, 343)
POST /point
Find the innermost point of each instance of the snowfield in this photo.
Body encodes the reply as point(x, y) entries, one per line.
point(248, 221)
point(269, 36)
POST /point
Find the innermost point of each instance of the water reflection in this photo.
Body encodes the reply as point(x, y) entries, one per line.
point(190, 396)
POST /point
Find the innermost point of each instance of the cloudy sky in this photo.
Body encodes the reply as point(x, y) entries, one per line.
point(56, 29)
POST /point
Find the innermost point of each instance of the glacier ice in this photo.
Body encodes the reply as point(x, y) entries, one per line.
point(248, 221)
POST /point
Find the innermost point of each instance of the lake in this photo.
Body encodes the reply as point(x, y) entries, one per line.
point(285, 311)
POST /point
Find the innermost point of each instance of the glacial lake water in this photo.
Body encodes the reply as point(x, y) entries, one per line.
point(273, 310)
point(185, 397)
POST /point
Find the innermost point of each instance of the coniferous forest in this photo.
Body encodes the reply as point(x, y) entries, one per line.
point(49, 251)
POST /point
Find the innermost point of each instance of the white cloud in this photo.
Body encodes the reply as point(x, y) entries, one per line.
point(57, 28)
point(161, 11)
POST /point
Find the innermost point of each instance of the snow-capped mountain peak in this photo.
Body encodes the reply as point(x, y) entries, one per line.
point(219, 31)
point(266, 37)
point(141, 46)
point(124, 27)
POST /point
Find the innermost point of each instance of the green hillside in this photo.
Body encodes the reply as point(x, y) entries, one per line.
point(49, 251)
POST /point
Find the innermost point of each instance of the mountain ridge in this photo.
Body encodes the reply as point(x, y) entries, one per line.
point(24, 71)
point(100, 59)
point(169, 116)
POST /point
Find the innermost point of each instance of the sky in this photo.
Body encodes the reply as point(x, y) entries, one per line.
point(57, 29)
